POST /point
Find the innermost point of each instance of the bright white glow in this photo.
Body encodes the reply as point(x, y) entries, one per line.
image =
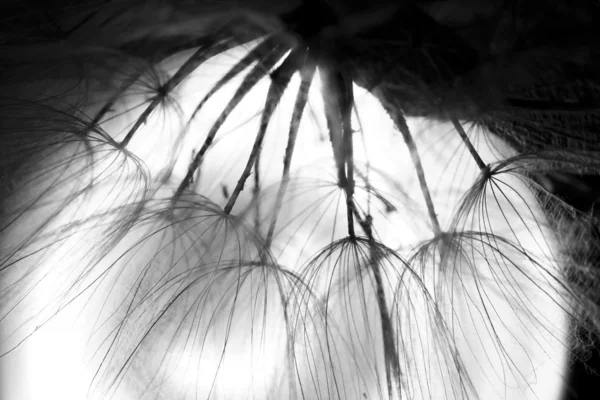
point(54, 363)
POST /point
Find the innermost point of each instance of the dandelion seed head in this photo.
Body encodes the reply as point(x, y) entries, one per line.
point(221, 203)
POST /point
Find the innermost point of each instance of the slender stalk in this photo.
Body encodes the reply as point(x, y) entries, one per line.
point(255, 75)
point(280, 79)
point(207, 50)
point(110, 103)
point(400, 123)
point(392, 362)
point(347, 102)
point(257, 54)
point(390, 353)
point(467, 142)
point(331, 98)
point(307, 74)
point(156, 57)
point(256, 191)
point(339, 98)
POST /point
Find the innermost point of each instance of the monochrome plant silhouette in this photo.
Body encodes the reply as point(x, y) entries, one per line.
point(313, 199)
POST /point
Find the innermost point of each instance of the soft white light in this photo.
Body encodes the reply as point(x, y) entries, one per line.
point(53, 364)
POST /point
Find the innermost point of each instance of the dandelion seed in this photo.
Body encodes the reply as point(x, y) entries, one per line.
point(282, 201)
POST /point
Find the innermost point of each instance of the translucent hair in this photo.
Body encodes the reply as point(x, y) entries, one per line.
point(246, 200)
